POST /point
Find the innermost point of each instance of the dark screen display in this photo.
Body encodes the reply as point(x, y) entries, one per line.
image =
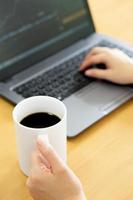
point(31, 30)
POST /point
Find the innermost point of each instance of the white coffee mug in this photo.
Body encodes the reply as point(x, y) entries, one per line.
point(26, 137)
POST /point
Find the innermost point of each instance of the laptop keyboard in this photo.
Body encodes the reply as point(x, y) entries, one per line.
point(64, 79)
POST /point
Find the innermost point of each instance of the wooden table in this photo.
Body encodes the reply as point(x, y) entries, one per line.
point(103, 155)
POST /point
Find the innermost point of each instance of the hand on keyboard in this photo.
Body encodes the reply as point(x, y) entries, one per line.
point(119, 67)
point(64, 79)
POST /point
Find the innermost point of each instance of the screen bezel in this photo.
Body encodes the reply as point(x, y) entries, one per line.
point(14, 69)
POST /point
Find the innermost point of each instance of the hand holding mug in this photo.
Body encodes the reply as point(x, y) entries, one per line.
point(50, 178)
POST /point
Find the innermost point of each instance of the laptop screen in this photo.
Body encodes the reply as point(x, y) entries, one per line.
point(32, 30)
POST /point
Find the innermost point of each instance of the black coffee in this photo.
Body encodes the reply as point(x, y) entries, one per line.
point(40, 120)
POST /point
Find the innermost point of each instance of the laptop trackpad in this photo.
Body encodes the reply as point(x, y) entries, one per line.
point(104, 96)
point(93, 102)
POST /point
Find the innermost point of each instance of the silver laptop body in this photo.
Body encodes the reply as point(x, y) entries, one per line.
point(18, 65)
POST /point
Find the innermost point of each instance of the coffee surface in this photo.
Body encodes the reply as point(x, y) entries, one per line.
point(40, 120)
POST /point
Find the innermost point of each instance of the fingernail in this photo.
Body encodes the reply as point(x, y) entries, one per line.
point(43, 140)
point(88, 73)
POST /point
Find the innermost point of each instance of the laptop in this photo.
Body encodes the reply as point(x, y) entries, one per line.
point(42, 44)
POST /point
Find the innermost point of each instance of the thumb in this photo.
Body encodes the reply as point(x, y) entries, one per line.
point(97, 73)
point(50, 154)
